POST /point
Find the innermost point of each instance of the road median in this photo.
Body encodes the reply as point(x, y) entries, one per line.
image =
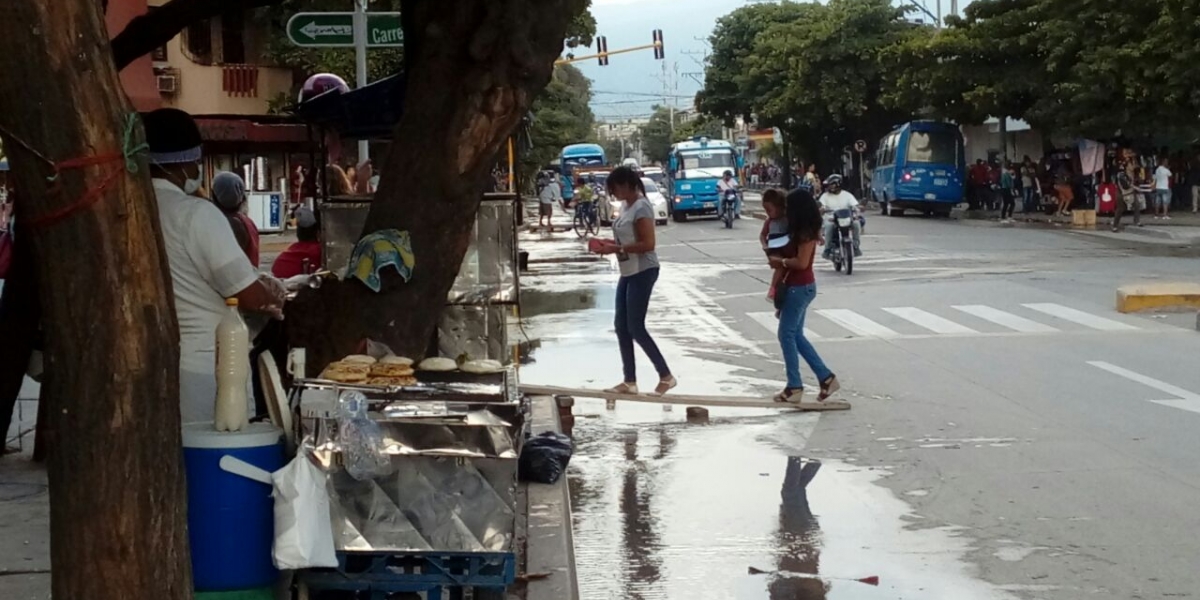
point(1151, 296)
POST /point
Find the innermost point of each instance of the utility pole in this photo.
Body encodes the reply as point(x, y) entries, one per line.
point(954, 7)
point(360, 64)
point(670, 90)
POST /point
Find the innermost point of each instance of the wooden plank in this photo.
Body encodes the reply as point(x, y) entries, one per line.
point(742, 402)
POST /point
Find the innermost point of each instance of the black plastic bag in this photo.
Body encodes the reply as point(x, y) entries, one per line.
point(544, 457)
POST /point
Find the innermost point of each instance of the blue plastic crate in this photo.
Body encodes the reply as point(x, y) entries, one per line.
point(431, 573)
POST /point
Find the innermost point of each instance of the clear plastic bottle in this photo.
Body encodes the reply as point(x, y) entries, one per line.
point(232, 410)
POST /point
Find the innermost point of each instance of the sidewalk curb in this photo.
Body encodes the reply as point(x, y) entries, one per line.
point(1149, 296)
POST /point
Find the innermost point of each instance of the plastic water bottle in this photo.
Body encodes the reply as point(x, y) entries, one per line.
point(232, 409)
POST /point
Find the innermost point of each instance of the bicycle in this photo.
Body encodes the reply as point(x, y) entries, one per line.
point(586, 222)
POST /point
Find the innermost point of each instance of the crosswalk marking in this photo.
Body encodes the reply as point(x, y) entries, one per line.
point(857, 323)
point(1078, 316)
point(929, 320)
point(768, 320)
point(1005, 319)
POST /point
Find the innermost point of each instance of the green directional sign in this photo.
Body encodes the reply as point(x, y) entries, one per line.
point(333, 29)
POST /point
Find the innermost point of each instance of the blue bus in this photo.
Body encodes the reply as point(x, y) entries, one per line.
point(577, 155)
point(695, 166)
point(921, 166)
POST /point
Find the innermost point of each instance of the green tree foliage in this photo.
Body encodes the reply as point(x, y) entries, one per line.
point(1094, 68)
point(656, 134)
point(817, 71)
point(561, 116)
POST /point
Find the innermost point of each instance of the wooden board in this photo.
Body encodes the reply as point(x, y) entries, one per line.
point(742, 402)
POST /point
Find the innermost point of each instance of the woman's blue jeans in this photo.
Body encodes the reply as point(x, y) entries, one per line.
point(791, 336)
point(633, 299)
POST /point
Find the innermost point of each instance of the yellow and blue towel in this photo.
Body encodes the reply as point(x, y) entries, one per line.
point(389, 247)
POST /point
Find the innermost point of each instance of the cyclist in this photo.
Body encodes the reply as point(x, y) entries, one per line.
point(585, 200)
point(728, 183)
point(833, 199)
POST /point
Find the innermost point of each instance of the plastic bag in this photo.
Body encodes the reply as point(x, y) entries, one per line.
point(545, 457)
point(303, 532)
point(361, 439)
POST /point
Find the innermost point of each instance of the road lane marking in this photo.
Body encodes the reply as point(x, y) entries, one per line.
point(929, 320)
point(1078, 316)
point(857, 323)
point(1145, 380)
point(770, 323)
point(1005, 319)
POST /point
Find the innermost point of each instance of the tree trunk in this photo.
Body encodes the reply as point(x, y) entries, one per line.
point(117, 503)
point(473, 68)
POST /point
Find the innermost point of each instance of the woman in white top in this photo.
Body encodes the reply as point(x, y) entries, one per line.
point(633, 243)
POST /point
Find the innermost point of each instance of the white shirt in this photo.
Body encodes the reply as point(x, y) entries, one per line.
point(207, 266)
point(1162, 178)
point(838, 201)
point(550, 193)
point(723, 186)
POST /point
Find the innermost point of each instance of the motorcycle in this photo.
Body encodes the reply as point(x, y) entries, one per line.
point(841, 247)
point(728, 206)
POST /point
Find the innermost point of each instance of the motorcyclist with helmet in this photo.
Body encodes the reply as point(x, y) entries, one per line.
point(834, 199)
point(726, 184)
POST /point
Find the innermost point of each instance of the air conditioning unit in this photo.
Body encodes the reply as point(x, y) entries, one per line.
point(168, 84)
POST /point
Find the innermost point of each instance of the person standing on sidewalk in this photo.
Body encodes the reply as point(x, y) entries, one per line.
point(796, 260)
point(633, 242)
point(229, 194)
point(1162, 190)
point(1193, 182)
point(1130, 199)
point(1030, 186)
point(546, 198)
point(1008, 194)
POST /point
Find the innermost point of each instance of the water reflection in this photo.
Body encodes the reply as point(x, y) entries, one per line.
point(798, 539)
point(536, 302)
point(639, 532)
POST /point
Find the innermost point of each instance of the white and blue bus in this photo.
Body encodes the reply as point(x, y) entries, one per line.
point(695, 166)
point(920, 166)
point(577, 155)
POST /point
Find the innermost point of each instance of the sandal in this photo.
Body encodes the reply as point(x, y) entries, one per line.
point(626, 387)
point(788, 393)
point(828, 388)
point(665, 385)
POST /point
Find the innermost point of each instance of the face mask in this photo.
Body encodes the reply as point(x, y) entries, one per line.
point(191, 186)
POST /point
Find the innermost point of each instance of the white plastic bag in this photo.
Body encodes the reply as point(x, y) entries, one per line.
point(303, 533)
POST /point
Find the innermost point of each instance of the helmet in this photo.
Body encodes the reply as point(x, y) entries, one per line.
point(834, 179)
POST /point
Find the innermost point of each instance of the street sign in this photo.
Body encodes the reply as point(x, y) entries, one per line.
point(336, 29)
point(860, 146)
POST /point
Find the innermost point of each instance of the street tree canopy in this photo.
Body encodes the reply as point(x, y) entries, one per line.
point(816, 71)
point(1098, 69)
point(561, 116)
point(656, 134)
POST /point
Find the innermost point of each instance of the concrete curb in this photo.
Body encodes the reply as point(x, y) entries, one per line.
point(1150, 296)
point(1161, 234)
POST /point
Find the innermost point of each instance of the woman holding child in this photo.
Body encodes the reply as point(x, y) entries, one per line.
point(795, 288)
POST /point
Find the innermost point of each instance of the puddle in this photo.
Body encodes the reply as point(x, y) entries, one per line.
point(671, 511)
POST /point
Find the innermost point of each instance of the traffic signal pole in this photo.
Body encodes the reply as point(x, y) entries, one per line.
point(564, 61)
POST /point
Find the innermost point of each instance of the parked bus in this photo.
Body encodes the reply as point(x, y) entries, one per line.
point(921, 166)
point(577, 155)
point(695, 166)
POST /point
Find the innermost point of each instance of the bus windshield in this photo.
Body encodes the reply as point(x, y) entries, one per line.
point(569, 164)
point(936, 147)
point(707, 160)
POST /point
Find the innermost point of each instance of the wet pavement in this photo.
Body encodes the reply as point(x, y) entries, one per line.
point(989, 454)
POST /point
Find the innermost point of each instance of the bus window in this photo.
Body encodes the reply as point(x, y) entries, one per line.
point(937, 147)
point(889, 150)
point(708, 160)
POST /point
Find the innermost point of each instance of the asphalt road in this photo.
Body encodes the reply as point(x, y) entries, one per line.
point(1012, 436)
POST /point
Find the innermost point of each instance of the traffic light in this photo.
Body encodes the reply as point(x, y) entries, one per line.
point(602, 50)
point(659, 53)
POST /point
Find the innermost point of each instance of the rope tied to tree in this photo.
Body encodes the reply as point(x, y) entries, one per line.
point(128, 154)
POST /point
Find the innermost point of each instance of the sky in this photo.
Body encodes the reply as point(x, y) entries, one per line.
point(632, 83)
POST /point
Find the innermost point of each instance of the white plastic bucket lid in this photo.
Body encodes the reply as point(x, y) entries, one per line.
point(255, 435)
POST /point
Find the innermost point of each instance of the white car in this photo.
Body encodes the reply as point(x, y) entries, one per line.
point(610, 208)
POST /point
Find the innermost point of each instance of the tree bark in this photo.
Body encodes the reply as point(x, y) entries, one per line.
point(151, 30)
point(117, 503)
point(473, 68)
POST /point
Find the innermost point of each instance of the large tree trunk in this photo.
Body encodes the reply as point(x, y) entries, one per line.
point(117, 503)
point(472, 68)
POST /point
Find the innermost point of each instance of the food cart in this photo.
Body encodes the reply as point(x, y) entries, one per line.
point(438, 517)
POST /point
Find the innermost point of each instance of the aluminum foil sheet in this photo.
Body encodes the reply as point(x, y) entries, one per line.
point(476, 331)
point(427, 503)
point(489, 271)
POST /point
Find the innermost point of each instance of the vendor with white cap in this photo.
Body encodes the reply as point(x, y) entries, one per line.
point(207, 265)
